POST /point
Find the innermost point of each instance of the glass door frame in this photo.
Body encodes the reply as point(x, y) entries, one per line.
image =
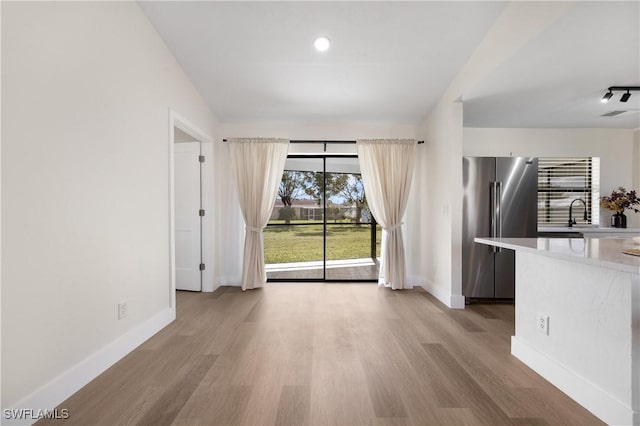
point(373, 224)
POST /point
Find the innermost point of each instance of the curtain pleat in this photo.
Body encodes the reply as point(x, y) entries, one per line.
point(387, 168)
point(258, 164)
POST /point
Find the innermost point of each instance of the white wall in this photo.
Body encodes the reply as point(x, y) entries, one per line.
point(318, 131)
point(1, 273)
point(433, 241)
point(636, 160)
point(87, 89)
point(229, 231)
point(615, 147)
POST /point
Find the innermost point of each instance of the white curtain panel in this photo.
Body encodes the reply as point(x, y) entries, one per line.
point(387, 169)
point(258, 165)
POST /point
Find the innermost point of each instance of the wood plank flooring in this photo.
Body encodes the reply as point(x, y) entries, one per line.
point(324, 354)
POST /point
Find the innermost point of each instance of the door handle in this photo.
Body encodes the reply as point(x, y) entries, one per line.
point(493, 195)
point(492, 201)
point(498, 198)
point(499, 208)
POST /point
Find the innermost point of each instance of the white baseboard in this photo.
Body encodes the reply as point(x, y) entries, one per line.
point(211, 287)
point(453, 301)
point(457, 301)
point(230, 281)
point(50, 395)
point(600, 403)
point(407, 286)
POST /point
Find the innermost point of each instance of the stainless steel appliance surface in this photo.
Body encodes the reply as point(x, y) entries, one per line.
point(500, 200)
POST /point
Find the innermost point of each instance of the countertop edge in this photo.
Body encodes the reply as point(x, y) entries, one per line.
point(499, 242)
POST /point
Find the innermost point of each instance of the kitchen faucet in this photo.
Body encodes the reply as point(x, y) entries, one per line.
point(572, 221)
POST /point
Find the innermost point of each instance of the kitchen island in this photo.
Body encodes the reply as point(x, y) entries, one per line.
point(578, 319)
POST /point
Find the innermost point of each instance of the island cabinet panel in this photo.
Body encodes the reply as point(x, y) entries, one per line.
point(590, 348)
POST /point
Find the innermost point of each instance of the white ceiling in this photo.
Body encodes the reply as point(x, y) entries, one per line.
point(558, 79)
point(391, 61)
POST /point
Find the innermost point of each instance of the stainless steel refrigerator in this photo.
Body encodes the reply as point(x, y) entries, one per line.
point(500, 200)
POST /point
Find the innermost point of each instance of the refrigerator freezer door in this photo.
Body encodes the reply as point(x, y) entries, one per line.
point(518, 214)
point(477, 259)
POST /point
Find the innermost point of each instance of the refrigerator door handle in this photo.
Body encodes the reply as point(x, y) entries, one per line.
point(493, 192)
point(498, 197)
point(499, 208)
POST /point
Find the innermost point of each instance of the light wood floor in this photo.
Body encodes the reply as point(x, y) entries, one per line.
point(324, 354)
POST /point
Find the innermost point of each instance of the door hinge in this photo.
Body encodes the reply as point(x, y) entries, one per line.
point(202, 266)
point(201, 158)
point(201, 212)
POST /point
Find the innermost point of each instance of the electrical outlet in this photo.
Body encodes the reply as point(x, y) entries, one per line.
point(542, 323)
point(122, 310)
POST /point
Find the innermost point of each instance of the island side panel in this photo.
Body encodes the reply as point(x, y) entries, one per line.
point(589, 352)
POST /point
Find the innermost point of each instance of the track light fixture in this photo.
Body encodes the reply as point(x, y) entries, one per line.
point(606, 97)
point(625, 96)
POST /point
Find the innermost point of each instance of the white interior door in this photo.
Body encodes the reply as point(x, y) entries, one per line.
point(187, 208)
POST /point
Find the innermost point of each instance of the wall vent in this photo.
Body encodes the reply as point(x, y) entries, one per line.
point(613, 113)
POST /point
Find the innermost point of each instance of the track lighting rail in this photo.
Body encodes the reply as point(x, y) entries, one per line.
point(625, 96)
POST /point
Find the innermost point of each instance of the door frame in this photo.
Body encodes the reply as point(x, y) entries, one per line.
point(206, 188)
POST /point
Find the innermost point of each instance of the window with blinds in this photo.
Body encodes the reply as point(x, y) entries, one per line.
point(562, 180)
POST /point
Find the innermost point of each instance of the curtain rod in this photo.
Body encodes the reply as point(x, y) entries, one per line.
point(335, 142)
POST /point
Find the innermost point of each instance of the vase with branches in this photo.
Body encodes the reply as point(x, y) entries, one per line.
point(619, 201)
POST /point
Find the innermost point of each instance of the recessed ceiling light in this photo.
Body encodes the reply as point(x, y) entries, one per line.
point(322, 43)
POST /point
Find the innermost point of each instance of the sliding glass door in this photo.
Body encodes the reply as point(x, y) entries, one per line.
point(351, 237)
point(321, 228)
point(294, 236)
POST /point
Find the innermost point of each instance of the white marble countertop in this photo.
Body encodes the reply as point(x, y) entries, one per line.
point(589, 229)
point(602, 252)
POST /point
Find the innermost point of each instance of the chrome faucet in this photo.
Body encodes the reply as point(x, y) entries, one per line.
point(572, 221)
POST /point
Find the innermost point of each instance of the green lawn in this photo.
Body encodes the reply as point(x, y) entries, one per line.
point(284, 244)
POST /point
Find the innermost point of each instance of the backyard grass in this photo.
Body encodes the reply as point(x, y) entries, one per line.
point(285, 244)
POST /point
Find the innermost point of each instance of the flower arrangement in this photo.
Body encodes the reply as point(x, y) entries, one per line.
point(620, 200)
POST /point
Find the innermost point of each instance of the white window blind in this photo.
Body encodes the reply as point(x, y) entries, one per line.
point(562, 180)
